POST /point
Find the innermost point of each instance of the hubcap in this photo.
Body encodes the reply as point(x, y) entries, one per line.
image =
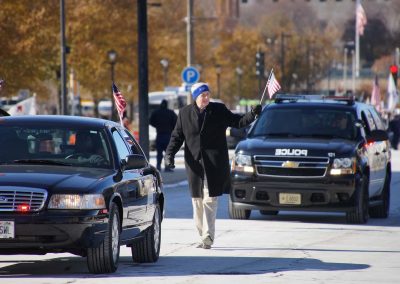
point(115, 238)
point(156, 229)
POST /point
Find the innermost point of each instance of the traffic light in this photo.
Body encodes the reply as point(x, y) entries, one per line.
point(394, 71)
point(260, 64)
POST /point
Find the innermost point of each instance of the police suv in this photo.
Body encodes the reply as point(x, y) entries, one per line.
point(313, 153)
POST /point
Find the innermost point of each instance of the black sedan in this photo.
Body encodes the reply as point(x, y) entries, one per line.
point(77, 185)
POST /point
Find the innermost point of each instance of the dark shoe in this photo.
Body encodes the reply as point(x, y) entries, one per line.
point(208, 241)
point(168, 170)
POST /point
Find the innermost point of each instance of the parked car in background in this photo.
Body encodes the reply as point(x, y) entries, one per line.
point(79, 185)
point(87, 108)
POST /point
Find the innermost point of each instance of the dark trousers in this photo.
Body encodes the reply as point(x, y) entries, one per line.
point(395, 140)
point(162, 141)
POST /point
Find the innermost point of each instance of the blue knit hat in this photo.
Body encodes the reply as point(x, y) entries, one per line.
point(199, 88)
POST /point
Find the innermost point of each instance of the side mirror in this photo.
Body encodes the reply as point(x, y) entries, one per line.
point(134, 161)
point(378, 135)
point(359, 123)
point(238, 132)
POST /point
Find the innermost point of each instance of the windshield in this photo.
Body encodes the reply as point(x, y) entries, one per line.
point(306, 122)
point(53, 146)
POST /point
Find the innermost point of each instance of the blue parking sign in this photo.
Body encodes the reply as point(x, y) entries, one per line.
point(190, 75)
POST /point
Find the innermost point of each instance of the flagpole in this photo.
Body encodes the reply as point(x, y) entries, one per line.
point(266, 85)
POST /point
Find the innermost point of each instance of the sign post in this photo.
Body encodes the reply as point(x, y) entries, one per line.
point(190, 75)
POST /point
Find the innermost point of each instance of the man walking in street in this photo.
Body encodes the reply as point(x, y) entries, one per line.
point(163, 119)
point(202, 126)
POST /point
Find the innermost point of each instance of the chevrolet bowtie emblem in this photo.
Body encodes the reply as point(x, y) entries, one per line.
point(290, 164)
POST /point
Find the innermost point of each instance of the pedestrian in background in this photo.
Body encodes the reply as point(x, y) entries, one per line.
point(202, 126)
point(2, 112)
point(394, 127)
point(164, 120)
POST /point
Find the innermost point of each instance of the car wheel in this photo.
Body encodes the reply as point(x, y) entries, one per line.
point(382, 210)
point(269, 212)
point(360, 214)
point(235, 213)
point(148, 248)
point(105, 258)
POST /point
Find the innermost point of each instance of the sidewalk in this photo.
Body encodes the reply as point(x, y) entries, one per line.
point(179, 173)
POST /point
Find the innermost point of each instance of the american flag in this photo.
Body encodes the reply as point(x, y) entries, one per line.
point(273, 85)
point(361, 19)
point(120, 102)
point(376, 95)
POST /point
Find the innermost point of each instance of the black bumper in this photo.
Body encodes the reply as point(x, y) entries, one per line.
point(317, 194)
point(54, 231)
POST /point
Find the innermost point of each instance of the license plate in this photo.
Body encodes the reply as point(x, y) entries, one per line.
point(7, 230)
point(290, 198)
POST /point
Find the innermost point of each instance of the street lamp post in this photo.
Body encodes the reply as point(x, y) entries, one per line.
point(112, 59)
point(239, 73)
point(283, 36)
point(165, 63)
point(218, 72)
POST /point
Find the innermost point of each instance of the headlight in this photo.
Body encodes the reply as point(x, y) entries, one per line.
point(343, 166)
point(76, 201)
point(242, 163)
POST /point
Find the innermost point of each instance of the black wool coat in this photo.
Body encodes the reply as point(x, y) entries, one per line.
point(206, 145)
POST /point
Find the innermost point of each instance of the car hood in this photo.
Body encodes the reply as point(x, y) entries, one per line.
point(53, 178)
point(294, 146)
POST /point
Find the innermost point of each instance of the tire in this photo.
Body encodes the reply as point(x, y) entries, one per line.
point(105, 258)
point(148, 249)
point(382, 210)
point(269, 212)
point(241, 214)
point(360, 214)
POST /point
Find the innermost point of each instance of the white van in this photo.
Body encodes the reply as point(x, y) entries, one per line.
point(104, 108)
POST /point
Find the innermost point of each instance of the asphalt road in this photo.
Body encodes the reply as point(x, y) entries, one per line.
point(292, 247)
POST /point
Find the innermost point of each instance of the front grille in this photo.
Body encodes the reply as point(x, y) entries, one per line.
point(291, 166)
point(12, 198)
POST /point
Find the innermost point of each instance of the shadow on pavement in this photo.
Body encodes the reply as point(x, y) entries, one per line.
point(173, 266)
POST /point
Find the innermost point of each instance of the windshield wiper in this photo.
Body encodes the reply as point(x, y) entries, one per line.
point(41, 161)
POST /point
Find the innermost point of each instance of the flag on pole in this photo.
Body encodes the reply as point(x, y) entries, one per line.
point(376, 94)
point(392, 95)
point(120, 102)
point(273, 84)
point(361, 19)
point(25, 107)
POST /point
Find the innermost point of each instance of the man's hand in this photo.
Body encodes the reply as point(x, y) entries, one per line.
point(169, 161)
point(256, 110)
